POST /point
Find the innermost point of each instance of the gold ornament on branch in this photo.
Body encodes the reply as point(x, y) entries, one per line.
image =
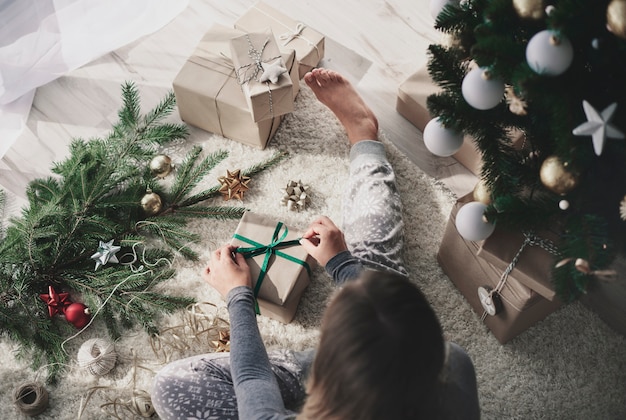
point(622, 208)
point(557, 176)
point(296, 196)
point(151, 203)
point(584, 267)
point(482, 193)
point(616, 18)
point(516, 105)
point(161, 166)
point(234, 185)
point(529, 9)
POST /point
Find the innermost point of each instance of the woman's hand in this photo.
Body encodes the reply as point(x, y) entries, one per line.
point(323, 240)
point(226, 270)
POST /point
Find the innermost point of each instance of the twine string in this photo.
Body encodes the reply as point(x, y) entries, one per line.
point(97, 356)
point(31, 398)
point(288, 35)
point(529, 239)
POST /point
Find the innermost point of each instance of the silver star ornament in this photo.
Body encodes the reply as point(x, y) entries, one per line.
point(598, 126)
point(106, 253)
point(272, 72)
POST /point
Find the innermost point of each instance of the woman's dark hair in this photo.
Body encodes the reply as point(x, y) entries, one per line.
point(380, 352)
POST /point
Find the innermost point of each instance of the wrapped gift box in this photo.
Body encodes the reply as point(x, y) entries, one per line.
point(251, 52)
point(307, 42)
point(411, 104)
point(533, 270)
point(208, 95)
point(286, 276)
point(607, 297)
point(412, 96)
point(525, 300)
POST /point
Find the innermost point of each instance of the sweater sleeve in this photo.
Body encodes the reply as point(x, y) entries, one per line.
point(256, 388)
point(344, 267)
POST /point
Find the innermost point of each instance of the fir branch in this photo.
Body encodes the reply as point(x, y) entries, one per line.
point(199, 197)
point(251, 171)
point(189, 173)
point(273, 160)
point(213, 212)
point(162, 110)
point(130, 113)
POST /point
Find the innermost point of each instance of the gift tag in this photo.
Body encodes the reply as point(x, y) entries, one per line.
point(489, 300)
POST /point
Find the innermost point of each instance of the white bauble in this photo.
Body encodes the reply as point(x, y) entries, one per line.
point(471, 223)
point(436, 6)
point(480, 90)
point(441, 141)
point(549, 54)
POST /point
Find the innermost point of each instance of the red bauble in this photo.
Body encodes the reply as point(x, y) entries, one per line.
point(77, 314)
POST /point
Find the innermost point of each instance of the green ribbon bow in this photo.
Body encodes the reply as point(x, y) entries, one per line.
point(270, 249)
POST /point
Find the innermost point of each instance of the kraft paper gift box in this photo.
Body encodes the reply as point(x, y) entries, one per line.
point(287, 271)
point(411, 103)
point(290, 34)
point(209, 97)
point(251, 52)
point(522, 306)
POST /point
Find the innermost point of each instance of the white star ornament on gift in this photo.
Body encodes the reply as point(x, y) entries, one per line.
point(271, 72)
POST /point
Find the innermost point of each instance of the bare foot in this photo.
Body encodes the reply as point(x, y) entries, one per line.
point(338, 94)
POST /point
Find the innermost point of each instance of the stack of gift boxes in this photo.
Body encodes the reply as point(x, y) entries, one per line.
point(239, 83)
point(525, 291)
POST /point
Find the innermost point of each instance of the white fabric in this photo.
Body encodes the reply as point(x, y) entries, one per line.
point(41, 40)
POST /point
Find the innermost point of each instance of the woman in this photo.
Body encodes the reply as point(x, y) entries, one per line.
point(381, 353)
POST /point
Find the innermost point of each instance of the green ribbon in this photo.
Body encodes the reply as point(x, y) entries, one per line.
point(270, 249)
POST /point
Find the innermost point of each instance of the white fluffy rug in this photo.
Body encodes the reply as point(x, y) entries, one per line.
point(570, 366)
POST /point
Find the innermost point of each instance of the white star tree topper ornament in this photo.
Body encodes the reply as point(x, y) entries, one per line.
point(272, 72)
point(598, 126)
point(106, 253)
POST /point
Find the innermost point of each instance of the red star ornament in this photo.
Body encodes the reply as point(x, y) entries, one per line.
point(57, 302)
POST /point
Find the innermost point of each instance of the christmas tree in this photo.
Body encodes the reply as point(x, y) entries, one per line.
point(102, 232)
point(539, 87)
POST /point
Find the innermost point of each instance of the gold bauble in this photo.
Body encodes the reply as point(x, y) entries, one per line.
point(151, 203)
point(161, 166)
point(616, 18)
point(529, 9)
point(557, 176)
point(482, 193)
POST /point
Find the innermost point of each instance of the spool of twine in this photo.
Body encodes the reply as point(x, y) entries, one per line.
point(31, 398)
point(97, 356)
point(142, 404)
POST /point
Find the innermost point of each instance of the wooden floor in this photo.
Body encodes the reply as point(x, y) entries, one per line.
point(377, 44)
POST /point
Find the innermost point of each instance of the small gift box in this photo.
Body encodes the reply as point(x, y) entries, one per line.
point(411, 103)
point(307, 42)
point(412, 96)
point(279, 265)
point(208, 95)
point(259, 70)
point(521, 302)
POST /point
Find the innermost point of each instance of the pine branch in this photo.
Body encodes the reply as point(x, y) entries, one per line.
point(96, 197)
point(214, 212)
point(189, 173)
point(273, 160)
point(130, 113)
